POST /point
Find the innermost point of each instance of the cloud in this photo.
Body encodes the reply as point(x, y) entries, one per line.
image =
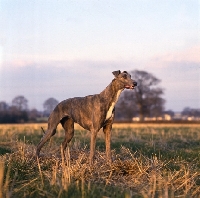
point(65, 79)
point(191, 54)
point(20, 63)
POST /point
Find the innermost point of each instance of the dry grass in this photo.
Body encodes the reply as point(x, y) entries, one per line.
point(131, 174)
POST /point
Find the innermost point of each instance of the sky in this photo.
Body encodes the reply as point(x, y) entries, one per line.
point(62, 49)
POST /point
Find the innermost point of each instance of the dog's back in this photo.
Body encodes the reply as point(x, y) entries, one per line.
point(80, 109)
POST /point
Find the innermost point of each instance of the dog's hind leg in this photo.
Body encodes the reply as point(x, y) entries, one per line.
point(68, 125)
point(48, 134)
point(52, 125)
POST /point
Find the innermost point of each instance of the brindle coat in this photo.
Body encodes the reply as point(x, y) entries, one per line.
point(91, 112)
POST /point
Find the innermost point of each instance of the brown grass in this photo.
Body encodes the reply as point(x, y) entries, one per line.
point(52, 174)
point(129, 170)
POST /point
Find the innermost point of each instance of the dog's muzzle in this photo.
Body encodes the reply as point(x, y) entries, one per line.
point(131, 86)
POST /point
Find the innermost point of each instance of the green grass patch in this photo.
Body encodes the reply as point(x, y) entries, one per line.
point(4, 150)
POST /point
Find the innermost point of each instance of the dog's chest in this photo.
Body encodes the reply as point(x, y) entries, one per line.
point(110, 110)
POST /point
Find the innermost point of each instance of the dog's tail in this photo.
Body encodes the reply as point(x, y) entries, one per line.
point(43, 130)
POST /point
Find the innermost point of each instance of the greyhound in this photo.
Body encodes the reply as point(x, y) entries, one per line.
point(91, 112)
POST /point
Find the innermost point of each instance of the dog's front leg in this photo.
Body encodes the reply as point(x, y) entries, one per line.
point(107, 131)
point(92, 146)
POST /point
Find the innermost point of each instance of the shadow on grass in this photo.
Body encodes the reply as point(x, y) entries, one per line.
point(4, 150)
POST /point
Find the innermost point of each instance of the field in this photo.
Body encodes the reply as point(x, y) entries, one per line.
point(148, 161)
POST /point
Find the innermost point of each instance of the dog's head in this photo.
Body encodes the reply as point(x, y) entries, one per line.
point(124, 78)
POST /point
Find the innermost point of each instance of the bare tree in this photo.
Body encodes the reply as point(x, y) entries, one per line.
point(146, 99)
point(126, 107)
point(49, 105)
point(20, 102)
point(3, 106)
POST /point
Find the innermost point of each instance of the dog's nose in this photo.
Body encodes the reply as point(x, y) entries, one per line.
point(135, 84)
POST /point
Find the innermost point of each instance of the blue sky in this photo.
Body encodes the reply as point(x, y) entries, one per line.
point(67, 48)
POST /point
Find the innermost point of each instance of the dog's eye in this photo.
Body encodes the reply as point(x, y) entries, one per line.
point(124, 76)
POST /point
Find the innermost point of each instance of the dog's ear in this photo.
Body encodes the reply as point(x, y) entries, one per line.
point(116, 73)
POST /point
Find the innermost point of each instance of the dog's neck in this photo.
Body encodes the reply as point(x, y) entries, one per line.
point(112, 92)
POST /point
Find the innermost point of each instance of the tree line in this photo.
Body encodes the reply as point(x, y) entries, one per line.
point(146, 100)
point(18, 111)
